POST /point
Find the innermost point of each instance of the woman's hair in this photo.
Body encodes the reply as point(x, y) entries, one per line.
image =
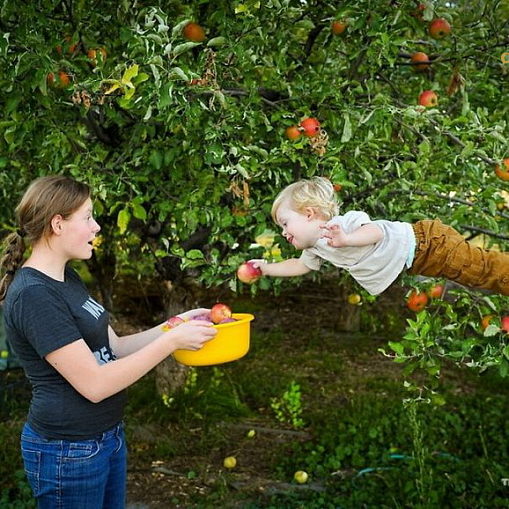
point(317, 193)
point(45, 198)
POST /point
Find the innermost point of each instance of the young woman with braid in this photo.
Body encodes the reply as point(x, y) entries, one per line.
point(73, 443)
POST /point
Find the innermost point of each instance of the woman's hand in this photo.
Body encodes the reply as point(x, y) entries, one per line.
point(193, 313)
point(191, 335)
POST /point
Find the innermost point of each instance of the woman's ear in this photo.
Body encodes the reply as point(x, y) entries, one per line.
point(56, 224)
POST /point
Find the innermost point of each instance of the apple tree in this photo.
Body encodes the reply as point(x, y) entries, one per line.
point(187, 133)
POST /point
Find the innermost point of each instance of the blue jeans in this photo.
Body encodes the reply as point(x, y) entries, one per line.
point(83, 474)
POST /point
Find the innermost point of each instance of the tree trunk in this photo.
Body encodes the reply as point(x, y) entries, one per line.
point(170, 375)
point(348, 317)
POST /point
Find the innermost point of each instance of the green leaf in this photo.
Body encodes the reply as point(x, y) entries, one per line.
point(216, 41)
point(347, 130)
point(139, 211)
point(123, 220)
point(186, 46)
point(130, 73)
point(177, 71)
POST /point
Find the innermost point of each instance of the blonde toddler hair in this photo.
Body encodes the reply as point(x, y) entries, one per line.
point(316, 192)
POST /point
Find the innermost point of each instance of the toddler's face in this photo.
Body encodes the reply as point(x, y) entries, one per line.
point(301, 229)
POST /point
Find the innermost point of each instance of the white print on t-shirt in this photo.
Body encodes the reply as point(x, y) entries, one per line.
point(93, 307)
point(104, 355)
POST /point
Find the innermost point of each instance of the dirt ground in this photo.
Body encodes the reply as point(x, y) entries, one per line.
point(158, 483)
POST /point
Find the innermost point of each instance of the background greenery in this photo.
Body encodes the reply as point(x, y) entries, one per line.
point(184, 144)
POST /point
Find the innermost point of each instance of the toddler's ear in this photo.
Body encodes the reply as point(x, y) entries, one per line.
point(310, 213)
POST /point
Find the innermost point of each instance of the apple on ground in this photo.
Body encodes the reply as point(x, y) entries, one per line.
point(220, 312)
point(417, 300)
point(301, 476)
point(194, 32)
point(4, 354)
point(354, 298)
point(439, 28)
point(311, 127)
point(428, 98)
point(230, 462)
point(248, 273)
point(502, 170)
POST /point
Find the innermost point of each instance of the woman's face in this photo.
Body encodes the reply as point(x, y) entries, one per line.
point(78, 232)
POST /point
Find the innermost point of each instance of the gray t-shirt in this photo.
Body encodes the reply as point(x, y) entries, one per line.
point(375, 266)
point(41, 315)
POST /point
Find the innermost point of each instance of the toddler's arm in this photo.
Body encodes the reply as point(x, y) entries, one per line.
point(363, 236)
point(286, 268)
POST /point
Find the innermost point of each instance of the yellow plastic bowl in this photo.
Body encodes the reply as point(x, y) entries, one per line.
point(231, 343)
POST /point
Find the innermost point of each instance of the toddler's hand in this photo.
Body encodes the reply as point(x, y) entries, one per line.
point(258, 264)
point(334, 234)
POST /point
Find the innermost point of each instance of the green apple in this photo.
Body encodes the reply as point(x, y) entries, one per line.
point(230, 462)
point(301, 476)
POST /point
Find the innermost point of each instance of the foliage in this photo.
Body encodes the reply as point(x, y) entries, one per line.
point(288, 408)
point(184, 142)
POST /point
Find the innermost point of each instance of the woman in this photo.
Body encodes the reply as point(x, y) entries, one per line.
point(73, 441)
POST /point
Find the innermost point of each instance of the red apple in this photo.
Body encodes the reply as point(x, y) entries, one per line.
point(219, 312)
point(439, 28)
point(248, 273)
point(502, 171)
point(227, 320)
point(436, 291)
point(505, 324)
point(428, 98)
point(292, 132)
point(194, 32)
point(172, 322)
point(417, 300)
point(486, 319)
point(419, 61)
point(338, 27)
point(311, 126)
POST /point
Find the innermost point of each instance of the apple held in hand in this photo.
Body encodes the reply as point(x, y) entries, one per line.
point(220, 312)
point(248, 273)
point(172, 322)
